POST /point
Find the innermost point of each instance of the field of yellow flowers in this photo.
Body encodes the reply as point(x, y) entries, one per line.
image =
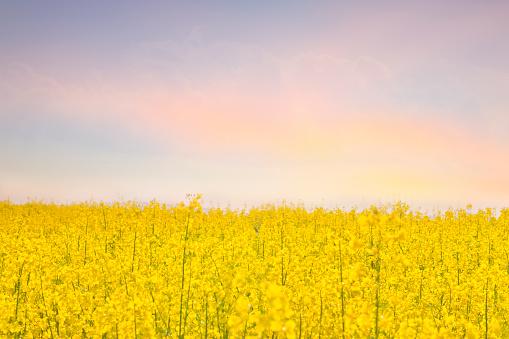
point(125, 271)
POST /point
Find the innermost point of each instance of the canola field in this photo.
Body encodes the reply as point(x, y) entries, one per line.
point(125, 271)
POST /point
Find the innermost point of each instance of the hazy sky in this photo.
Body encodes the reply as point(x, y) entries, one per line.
point(323, 102)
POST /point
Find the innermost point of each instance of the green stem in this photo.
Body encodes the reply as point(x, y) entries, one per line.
point(134, 252)
point(486, 309)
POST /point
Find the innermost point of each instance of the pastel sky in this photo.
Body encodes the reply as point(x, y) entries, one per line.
point(333, 103)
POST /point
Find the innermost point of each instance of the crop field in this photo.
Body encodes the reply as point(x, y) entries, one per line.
point(93, 270)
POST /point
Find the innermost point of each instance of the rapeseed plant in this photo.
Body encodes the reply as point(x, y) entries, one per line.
point(122, 270)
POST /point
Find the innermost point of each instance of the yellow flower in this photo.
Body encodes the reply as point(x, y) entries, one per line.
point(354, 242)
point(401, 236)
point(356, 272)
point(471, 331)
point(372, 251)
point(495, 327)
point(242, 306)
point(402, 260)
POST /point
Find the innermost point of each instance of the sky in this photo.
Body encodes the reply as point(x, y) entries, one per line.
point(321, 103)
